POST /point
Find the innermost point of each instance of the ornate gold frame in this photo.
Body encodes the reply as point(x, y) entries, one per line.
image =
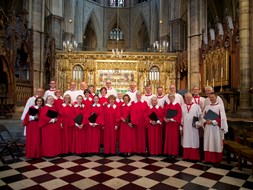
point(139, 63)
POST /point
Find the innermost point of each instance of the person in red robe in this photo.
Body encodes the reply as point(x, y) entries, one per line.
point(94, 129)
point(50, 130)
point(139, 121)
point(87, 100)
point(66, 121)
point(58, 101)
point(91, 89)
point(111, 124)
point(127, 133)
point(119, 100)
point(32, 149)
point(79, 145)
point(155, 128)
point(103, 100)
point(172, 127)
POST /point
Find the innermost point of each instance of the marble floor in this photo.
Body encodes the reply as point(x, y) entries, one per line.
point(115, 172)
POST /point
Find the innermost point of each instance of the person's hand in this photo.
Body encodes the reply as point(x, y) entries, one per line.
point(122, 119)
point(181, 132)
point(130, 125)
point(36, 117)
point(105, 103)
point(61, 125)
point(153, 122)
point(209, 122)
point(166, 120)
point(116, 127)
point(172, 120)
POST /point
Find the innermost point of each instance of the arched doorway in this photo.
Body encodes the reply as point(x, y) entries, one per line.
point(89, 37)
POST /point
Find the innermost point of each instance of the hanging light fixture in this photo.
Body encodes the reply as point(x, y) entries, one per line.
point(160, 45)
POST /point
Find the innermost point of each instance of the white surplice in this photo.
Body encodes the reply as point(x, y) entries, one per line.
point(190, 138)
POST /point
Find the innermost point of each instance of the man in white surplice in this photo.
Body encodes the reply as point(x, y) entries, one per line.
point(190, 136)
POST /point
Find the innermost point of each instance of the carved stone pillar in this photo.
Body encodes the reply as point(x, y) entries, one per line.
point(244, 25)
point(197, 10)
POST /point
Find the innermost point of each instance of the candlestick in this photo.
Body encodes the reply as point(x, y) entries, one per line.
point(213, 82)
point(206, 82)
point(144, 80)
point(221, 72)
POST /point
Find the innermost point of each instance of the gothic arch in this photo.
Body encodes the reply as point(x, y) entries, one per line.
point(142, 34)
point(94, 23)
point(112, 23)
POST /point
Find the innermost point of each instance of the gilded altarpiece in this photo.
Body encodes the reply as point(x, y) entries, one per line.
point(97, 67)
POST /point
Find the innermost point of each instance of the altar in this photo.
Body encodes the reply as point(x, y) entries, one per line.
point(156, 69)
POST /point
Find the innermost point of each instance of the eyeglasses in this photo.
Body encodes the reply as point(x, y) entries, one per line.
point(108, 83)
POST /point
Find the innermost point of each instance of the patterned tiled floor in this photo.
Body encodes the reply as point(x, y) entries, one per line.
point(132, 173)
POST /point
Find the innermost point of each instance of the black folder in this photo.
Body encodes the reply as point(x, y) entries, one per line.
point(33, 111)
point(52, 114)
point(93, 117)
point(128, 120)
point(79, 119)
point(211, 115)
point(194, 120)
point(153, 116)
point(171, 113)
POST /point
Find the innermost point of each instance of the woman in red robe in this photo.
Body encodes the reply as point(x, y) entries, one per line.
point(139, 121)
point(155, 128)
point(66, 121)
point(58, 101)
point(112, 118)
point(94, 129)
point(172, 127)
point(119, 100)
point(32, 149)
point(50, 130)
point(79, 145)
point(127, 135)
point(103, 100)
point(87, 100)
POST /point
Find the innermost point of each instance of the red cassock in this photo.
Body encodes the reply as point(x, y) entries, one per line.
point(66, 120)
point(57, 103)
point(112, 117)
point(50, 133)
point(102, 100)
point(127, 135)
point(93, 133)
point(92, 95)
point(138, 119)
point(32, 147)
point(87, 102)
point(155, 132)
point(79, 144)
point(171, 142)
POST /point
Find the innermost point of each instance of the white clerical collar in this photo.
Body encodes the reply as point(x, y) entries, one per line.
point(49, 105)
point(114, 106)
point(52, 89)
point(36, 96)
point(64, 105)
point(159, 97)
point(100, 96)
point(139, 101)
point(119, 100)
point(148, 94)
point(109, 88)
point(157, 106)
point(174, 102)
point(58, 98)
point(216, 103)
point(77, 105)
point(129, 104)
point(132, 91)
point(90, 99)
point(98, 105)
point(73, 89)
point(37, 107)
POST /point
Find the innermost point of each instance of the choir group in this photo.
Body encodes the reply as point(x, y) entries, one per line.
point(80, 121)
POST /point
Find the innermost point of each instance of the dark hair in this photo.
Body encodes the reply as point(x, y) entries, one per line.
point(102, 89)
point(96, 95)
point(36, 100)
point(126, 95)
point(86, 91)
point(111, 97)
point(91, 86)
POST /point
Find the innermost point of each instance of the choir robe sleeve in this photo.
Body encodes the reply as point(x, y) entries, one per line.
point(44, 120)
point(223, 121)
point(100, 114)
point(26, 118)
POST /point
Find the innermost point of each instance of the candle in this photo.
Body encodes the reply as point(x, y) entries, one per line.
point(207, 82)
point(213, 82)
point(221, 72)
point(199, 77)
point(144, 80)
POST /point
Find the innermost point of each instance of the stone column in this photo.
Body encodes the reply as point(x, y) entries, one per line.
point(251, 47)
point(244, 25)
point(197, 16)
